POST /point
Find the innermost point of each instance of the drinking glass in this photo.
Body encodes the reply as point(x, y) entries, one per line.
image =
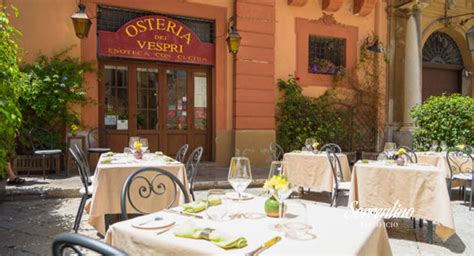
point(296, 226)
point(308, 143)
point(144, 142)
point(434, 146)
point(240, 174)
point(389, 149)
point(131, 143)
point(444, 146)
point(216, 208)
point(276, 168)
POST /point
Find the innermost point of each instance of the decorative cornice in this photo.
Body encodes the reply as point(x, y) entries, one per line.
point(297, 2)
point(364, 7)
point(328, 20)
point(332, 5)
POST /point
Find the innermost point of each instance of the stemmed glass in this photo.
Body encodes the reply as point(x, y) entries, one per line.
point(308, 143)
point(144, 142)
point(240, 174)
point(443, 146)
point(275, 168)
point(283, 195)
point(131, 143)
point(434, 146)
point(389, 149)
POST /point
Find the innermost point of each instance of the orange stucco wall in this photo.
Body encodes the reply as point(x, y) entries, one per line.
point(286, 49)
point(46, 27)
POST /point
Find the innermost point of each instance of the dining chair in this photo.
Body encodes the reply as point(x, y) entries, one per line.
point(276, 152)
point(86, 190)
point(192, 168)
point(94, 142)
point(181, 154)
point(70, 244)
point(409, 154)
point(85, 163)
point(331, 147)
point(339, 183)
point(150, 184)
point(461, 167)
point(42, 143)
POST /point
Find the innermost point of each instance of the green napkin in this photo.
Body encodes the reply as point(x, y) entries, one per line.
point(106, 161)
point(188, 230)
point(200, 205)
point(109, 154)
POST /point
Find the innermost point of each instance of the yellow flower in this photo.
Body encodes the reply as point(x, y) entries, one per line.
point(137, 145)
point(74, 128)
point(401, 151)
point(276, 183)
point(315, 145)
point(461, 146)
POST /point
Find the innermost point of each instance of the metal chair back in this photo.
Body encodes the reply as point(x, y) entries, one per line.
point(192, 165)
point(331, 147)
point(149, 183)
point(66, 243)
point(80, 169)
point(276, 152)
point(410, 154)
point(335, 166)
point(459, 161)
point(96, 137)
point(83, 159)
point(40, 139)
point(181, 154)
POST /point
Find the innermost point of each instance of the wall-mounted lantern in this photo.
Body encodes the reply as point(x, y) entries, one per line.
point(82, 22)
point(233, 38)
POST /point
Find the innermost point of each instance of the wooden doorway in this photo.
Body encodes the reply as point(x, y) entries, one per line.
point(167, 103)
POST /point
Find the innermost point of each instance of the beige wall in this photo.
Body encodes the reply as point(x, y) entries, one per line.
point(46, 27)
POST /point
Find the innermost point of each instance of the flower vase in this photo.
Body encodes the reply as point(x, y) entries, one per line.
point(272, 207)
point(138, 154)
point(400, 161)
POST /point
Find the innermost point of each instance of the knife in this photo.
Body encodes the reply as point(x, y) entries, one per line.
point(265, 246)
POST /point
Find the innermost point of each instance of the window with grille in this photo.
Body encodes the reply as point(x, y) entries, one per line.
point(326, 54)
point(112, 18)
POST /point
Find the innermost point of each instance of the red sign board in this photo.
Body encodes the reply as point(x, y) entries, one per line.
point(156, 38)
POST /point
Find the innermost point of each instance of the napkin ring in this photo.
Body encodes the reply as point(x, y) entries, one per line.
point(206, 233)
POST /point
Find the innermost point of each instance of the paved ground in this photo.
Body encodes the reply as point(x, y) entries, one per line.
point(29, 224)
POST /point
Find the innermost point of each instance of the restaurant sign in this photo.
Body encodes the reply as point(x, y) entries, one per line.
point(156, 38)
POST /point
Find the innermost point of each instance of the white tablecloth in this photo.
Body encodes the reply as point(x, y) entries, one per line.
point(109, 179)
point(335, 233)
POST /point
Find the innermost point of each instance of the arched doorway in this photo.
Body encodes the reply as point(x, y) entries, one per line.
point(442, 66)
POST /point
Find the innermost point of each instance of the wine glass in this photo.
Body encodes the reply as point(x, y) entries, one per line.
point(240, 174)
point(443, 146)
point(434, 146)
point(389, 149)
point(216, 208)
point(144, 142)
point(131, 143)
point(308, 143)
point(275, 168)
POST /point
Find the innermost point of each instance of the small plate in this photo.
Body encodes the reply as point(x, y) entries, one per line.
point(151, 223)
point(235, 196)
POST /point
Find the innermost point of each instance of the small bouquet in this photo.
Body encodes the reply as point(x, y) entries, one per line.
point(74, 129)
point(315, 145)
point(137, 147)
point(277, 183)
point(400, 160)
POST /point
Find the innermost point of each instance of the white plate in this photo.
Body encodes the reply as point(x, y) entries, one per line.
point(151, 223)
point(235, 196)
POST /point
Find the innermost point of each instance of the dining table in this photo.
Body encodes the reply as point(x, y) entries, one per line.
point(420, 187)
point(440, 160)
point(333, 232)
point(310, 170)
point(112, 171)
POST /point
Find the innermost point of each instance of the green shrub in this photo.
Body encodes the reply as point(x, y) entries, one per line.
point(11, 79)
point(54, 84)
point(444, 118)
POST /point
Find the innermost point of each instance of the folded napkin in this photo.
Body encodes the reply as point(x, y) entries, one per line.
point(109, 154)
point(200, 205)
point(226, 241)
point(106, 161)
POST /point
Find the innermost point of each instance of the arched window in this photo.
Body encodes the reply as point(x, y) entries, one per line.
point(440, 48)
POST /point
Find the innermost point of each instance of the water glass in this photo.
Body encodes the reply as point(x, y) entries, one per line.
point(276, 168)
point(144, 142)
point(389, 149)
point(131, 143)
point(444, 146)
point(240, 174)
point(308, 143)
point(296, 226)
point(217, 207)
point(434, 146)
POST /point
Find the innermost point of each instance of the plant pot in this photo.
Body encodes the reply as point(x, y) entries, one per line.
point(3, 183)
point(272, 207)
